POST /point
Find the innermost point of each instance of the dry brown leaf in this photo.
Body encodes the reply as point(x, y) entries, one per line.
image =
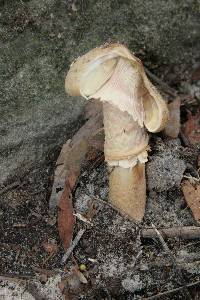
point(50, 246)
point(173, 126)
point(74, 153)
point(81, 277)
point(62, 285)
point(66, 217)
point(196, 74)
point(191, 128)
point(198, 161)
point(92, 211)
point(92, 108)
point(192, 197)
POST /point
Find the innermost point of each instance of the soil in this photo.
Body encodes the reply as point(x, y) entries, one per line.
point(118, 263)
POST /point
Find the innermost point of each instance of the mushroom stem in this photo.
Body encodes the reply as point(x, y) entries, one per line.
point(127, 190)
point(131, 104)
point(125, 150)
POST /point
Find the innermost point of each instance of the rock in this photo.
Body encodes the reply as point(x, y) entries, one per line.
point(165, 169)
point(14, 290)
point(11, 289)
point(165, 173)
point(51, 289)
point(36, 114)
point(82, 202)
point(132, 284)
point(38, 7)
point(191, 89)
point(39, 39)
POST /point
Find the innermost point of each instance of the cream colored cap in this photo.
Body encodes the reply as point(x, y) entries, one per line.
point(111, 73)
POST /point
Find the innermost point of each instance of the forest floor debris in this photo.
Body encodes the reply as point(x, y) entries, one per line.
point(121, 259)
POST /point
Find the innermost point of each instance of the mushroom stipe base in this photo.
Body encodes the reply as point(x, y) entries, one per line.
point(127, 190)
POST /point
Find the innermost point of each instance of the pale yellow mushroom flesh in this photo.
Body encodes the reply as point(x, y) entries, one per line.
point(125, 151)
point(131, 104)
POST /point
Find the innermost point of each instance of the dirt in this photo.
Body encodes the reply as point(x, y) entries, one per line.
point(119, 264)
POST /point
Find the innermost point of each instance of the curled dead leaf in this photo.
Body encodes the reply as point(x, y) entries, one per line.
point(198, 162)
point(196, 74)
point(192, 197)
point(173, 126)
point(81, 277)
point(85, 143)
point(66, 217)
point(50, 246)
point(191, 128)
point(73, 154)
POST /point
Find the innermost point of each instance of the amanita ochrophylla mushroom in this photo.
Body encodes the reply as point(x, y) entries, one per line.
point(131, 104)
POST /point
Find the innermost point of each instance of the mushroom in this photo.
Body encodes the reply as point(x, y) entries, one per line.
point(131, 104)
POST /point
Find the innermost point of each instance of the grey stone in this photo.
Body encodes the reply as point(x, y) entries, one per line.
point(11, 289)
point(165, 169)
point(82, 203)
point(165, 173)
point(132, 284)
point(38, 41)
point(37, 7)
point(191, 89)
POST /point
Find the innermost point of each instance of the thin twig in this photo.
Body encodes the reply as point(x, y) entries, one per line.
point(73, 245)
point(172, 291)
point(191, 178)
point(184, 232)
point(178, 270)
point(9, 187)
point(164, 244)
point(82, 218)
point(166, 88)
point(16, 278)
point(136, 258)
point(47, 272)
point(104, 202)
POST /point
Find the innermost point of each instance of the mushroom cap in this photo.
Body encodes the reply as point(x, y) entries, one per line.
point(113, 74)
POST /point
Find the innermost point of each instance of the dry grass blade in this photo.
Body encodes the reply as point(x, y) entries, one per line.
point(167, 293)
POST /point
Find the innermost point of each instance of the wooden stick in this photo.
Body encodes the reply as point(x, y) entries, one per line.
point(166, 88)
point(183, 232)
point(160, 295)
point(73, 245)
point(9, 187)
point(159, 235)
point(16, 277)
point(167, 250)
